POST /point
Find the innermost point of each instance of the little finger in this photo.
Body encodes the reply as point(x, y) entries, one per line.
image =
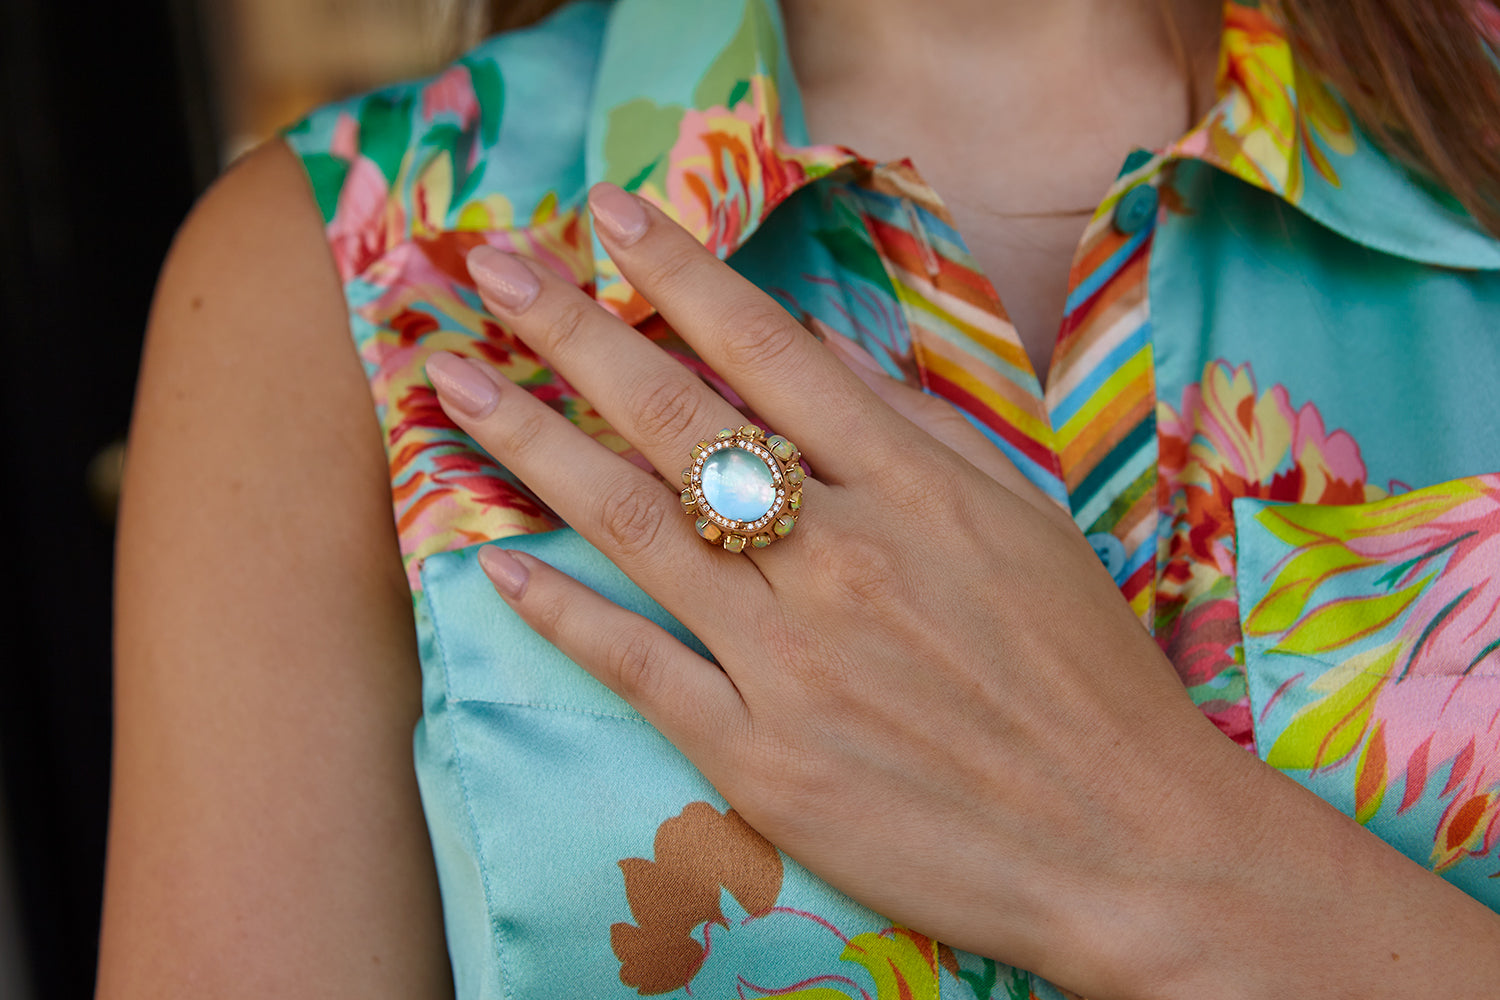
point(692, 701)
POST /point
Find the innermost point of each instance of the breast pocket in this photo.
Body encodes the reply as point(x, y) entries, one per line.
point(1372, 653)
point(580, 854)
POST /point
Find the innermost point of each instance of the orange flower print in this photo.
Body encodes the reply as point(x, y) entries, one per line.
point(698, 852)
point(710, 922)
point(1274, 110)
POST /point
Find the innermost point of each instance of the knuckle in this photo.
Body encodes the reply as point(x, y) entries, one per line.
point(942, 419)
point(759, 336)
point(546, 611)
point(521, 431)
point(862, 568)
point(632, 516)
point(566, 324)
point(670, 408)
point(667, 275)
point(631, 660)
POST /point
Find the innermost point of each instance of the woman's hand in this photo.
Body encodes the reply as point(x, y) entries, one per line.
point(932, 694)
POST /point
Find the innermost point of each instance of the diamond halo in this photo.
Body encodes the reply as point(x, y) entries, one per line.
point(743, 503)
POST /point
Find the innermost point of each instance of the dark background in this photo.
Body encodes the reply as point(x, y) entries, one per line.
point(106, 136)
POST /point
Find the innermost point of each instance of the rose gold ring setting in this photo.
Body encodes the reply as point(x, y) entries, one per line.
point(743, 488)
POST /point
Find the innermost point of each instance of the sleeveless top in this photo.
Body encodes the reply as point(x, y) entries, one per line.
point(1273, 410)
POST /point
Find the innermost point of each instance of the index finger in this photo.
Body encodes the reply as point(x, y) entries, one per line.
point(772, 361)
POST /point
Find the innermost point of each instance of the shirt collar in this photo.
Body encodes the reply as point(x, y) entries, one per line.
point(696, 109)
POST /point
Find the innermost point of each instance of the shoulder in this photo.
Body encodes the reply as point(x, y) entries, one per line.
point(482, 143)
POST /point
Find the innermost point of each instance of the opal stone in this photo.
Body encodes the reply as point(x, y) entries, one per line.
point(738, 485)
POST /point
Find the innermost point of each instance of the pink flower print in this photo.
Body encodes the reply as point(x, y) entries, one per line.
point(366, 222)
point(452, 93)
point(1229, 440)
point(345, 141)
point(1428, 698)
point(1443, 702)
point(726, 170)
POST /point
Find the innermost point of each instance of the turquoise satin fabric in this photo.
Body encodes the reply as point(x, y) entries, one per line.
point(1243, 343)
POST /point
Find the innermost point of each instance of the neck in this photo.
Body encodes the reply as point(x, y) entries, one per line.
point(937, 44)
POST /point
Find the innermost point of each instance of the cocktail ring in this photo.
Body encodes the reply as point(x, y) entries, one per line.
point(743, 488)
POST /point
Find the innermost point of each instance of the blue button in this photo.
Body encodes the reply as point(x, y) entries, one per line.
point(1135, 209)
point(1111, 552)
point(1137, 159)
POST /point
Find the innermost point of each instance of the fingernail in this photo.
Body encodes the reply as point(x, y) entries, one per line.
point(851, 353)
point(503, 277)
point(619, 213)
point(504, 570)
point(461, 384)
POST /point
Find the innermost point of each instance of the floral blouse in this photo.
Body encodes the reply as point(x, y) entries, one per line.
point(1273, 410)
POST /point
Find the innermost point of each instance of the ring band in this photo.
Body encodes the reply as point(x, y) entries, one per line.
point(743, 488)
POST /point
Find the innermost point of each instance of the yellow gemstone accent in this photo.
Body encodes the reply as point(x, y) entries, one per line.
point(794, 502)
point(725, 434)
point(750, 432)
point(784, 525)
point(734, 543)
point(709, 530)
point(761, 540)
point(687, 476)
point(687, 499)
point(698, 450)
point(795, 475)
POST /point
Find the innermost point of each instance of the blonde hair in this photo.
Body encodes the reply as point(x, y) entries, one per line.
point(459, 25)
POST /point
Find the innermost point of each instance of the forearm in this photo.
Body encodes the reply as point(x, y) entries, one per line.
point(1282, 895)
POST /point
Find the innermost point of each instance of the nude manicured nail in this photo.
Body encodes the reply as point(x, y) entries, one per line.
point(505, 571)
point(619, 213)
point(461, 384)
point(503, 277)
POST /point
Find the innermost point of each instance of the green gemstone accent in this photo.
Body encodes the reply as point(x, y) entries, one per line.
point(750, 432)
point(794, 502)
point(783, 449)
point(795, 475)
point(725, 434)
point(687, 499)
point(761, 540)
point(784, 525)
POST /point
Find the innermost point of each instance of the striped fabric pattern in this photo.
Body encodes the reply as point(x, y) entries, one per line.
point(1102, 396)
point(965, 347)
point(1089, 442)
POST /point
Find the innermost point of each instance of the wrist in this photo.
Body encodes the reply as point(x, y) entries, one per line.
point(1262, 889)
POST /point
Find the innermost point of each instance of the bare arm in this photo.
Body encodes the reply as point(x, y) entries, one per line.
point(266, 837)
